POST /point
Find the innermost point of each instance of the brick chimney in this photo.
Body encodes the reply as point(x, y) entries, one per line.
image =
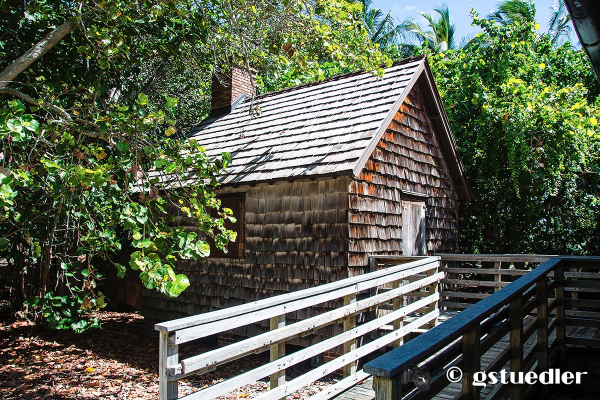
point(227, 89)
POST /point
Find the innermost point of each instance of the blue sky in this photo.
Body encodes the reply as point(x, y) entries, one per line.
point(459, 12)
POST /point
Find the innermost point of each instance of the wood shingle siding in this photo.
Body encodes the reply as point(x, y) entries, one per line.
point(406, 159)
point(296, 237)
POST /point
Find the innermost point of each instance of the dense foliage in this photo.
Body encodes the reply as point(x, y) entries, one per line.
point(94, 97)
point(525, 117)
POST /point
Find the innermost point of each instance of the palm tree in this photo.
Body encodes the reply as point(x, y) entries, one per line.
point(440, 36)
point(559, 26)
point(380, 27)
point(523, 11)
point(511, 11)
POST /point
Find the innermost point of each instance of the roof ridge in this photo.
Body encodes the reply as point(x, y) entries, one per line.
point(334, 78)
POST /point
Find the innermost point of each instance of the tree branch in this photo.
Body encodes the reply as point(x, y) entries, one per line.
point(33, 101)
point(58, 110)
point(42, 47)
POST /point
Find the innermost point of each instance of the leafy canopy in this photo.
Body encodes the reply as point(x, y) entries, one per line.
point(94, 157)
point(525, 118)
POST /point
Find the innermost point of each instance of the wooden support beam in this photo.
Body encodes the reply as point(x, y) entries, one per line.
point(168, 356)
point(349, 346)
point(433, 288)
point(516, 343)
point(561, 334)
point(542, 329)
point(386, 388)
point(398, 303)
point(497, 277)
point(471, 362)
point(277, 351)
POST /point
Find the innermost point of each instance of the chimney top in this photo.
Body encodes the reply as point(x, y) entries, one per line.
point(228, 91)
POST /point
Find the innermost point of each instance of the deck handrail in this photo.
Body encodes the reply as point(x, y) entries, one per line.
point(387, 368)
point(230, 312)
point(529, 258)
point(423, 276)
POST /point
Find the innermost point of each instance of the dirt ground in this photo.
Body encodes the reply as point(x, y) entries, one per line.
point(119, 361)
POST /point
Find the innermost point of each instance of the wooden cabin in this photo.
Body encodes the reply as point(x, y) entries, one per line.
point(324, 175)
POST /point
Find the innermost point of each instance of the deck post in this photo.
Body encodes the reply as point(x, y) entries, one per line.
point(433, 288)
point(373, 266)
point(349, 324)
point(397, 304)
point(574, 294)
point(471, 362)
point(168, 357)
point(542, 328)
point(497, 277)
point(276, 352)
point(559, 278)
point(516, 343)
point(386, 388)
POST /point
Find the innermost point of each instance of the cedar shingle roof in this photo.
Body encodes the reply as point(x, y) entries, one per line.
point(326, 128)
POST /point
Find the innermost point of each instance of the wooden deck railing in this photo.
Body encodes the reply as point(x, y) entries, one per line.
point(462, 340)
point(424, 277)
point(472, 277)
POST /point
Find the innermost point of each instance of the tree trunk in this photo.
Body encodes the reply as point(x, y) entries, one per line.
point(37, 51)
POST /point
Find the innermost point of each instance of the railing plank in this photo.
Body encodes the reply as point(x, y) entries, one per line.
point(341, 386)
point(187, 334)
point(230, 312)
point(496, 257)
point(474, 283)
point(581, 341)
point(588, 323)
point(582, 303)
point(486, 271)
point(464, 295)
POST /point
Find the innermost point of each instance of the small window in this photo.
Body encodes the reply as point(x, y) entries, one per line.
point(236, 202)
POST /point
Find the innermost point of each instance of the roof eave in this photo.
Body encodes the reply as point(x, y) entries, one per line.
point(448, 143)
point(586, 21)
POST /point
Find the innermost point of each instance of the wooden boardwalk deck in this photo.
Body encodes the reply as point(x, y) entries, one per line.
point(364, 391)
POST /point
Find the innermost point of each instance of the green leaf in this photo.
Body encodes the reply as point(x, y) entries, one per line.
point(170, 168)
point(121, 270)
point(142, 99)
point(171, 102)
point(122, 146)
point(160, 163)
point(175, 287)
point(203, 248)
point(14, 125)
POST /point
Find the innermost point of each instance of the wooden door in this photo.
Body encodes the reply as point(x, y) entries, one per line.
point(413, 228)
